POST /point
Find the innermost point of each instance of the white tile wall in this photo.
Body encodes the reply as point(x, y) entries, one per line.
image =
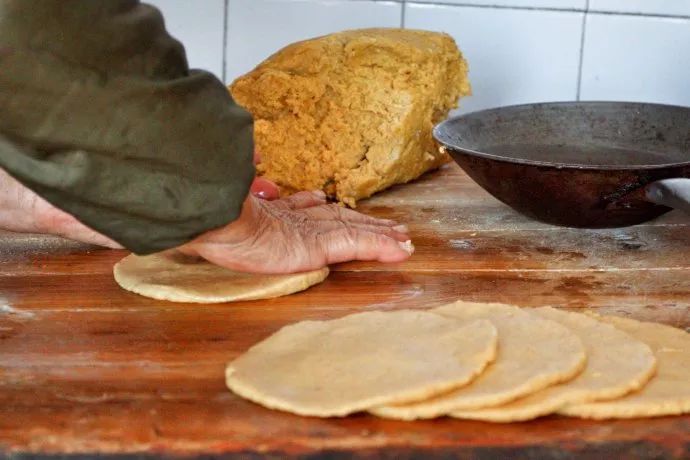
point(258, 28)
point(539, 62)
point(198, 24)
point(558, 4)
point(637, 58)
point(662, 7)
point(519, 50)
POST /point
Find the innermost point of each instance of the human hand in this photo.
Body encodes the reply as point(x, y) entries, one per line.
point(263, 188)
point(22, 210)
point(54, 221)
point(300, 233)
point(51, 220)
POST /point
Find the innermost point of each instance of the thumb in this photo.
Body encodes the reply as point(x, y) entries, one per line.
point(264, 189)
point(357, 244)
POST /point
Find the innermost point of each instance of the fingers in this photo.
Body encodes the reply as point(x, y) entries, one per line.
point(304, 200)
point(345, 215)
point(265, 189)
point(333, 218)
point(356, 244)
point(362, 222)
point(310, 203)
point(398, 233)
point(301, 233)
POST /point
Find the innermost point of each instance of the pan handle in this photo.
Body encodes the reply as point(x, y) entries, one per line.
point(674, 193)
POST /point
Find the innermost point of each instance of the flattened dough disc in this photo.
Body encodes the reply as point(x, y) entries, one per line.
point(168, 276)
point(533, 353)
point(616, 365)
point(668, 393)
point(337, 367)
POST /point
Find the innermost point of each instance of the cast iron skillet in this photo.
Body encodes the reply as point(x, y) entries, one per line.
point(577, 164)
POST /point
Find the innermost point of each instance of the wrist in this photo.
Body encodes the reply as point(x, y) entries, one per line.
point(51, 220)
point(18, 206)
point(235, 232)
point(23, 211)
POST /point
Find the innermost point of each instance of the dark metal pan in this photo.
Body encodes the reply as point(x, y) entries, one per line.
point(577, 164)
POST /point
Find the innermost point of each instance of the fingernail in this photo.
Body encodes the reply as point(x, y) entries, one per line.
point(401, 228)
point(319, 193)
point(407, 246)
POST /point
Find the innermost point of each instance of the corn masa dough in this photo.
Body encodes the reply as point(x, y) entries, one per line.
point(338, 367)
point(173, 277)
point(352, 113)
point(533, 353)
point(617, 364)
point(668, 393)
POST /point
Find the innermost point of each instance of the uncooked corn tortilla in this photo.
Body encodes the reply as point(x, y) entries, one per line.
point(338, 367)
point(616, 365)
point(668, 393)
point(172, 276)
point(533, 353)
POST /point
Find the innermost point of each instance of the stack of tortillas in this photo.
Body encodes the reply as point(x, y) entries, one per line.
point(490, 362)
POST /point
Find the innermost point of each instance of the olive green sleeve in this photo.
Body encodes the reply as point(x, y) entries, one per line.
point(102, 117)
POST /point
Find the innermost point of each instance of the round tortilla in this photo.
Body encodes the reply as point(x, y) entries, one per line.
point(533, 353)
point(668, 393)
point(338, 367)
point(172, 276)
point(616, 365)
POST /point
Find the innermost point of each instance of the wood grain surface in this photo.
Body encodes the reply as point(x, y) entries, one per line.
point(87, 369)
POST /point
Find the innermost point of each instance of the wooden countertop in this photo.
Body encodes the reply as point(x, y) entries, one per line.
point(88, 368)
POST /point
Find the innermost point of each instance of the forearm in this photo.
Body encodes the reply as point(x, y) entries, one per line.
point(18, 206)
point(22, 211)
point(116, 130)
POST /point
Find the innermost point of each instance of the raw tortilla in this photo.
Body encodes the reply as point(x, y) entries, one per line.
point(533, 353)
point(171, 276)
point(616, 365)
point(668, 393)
point(337, 367)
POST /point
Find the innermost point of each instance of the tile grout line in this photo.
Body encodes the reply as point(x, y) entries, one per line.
point(225, 40)
point(402, 14)
point(582, 51)
point(641, 15)
point(498, 7)
point(553, 9)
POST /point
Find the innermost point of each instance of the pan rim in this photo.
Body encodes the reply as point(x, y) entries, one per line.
point(550, 164)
